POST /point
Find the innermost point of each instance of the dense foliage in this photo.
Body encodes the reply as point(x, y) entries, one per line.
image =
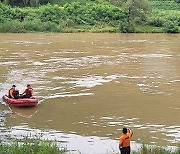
point(90, 15)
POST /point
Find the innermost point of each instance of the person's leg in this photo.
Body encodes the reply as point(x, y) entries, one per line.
point(25, 96)
point(16, 94)
point(28, 96)
point(123, 150)
point(21, 96)
point(128, 150)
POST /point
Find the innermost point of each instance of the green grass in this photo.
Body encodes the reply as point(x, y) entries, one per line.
point(156, 150)
point(165, 5)
point(28, 146)
point(37, 146)
point(148, 29)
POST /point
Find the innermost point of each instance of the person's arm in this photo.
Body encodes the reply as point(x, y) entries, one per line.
point(24, 92)
point(130, 131)
point(32, 92)
point(120, 143)
point(120, 146)
point(11, 93)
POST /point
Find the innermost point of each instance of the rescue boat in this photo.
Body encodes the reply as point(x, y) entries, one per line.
point(20, 102)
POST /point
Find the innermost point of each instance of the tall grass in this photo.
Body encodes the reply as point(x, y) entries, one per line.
point(156, 150)
point(28, 146)
point(35, 25)
point(37, 146)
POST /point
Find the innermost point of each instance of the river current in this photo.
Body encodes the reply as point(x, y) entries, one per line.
point(90, 86)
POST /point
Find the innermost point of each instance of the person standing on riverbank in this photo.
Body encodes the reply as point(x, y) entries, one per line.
point(124, 141)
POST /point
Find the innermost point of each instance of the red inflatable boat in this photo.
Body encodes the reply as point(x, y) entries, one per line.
point(21, 101)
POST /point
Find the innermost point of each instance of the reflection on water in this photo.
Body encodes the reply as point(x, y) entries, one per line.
point(27, 112)
point(3, 117)
point(94, 84)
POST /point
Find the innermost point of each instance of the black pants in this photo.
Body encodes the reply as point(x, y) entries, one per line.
point(125, 150)
point(25, 96)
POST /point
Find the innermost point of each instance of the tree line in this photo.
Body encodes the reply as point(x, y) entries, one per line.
point(35, 3)
point(90, 15)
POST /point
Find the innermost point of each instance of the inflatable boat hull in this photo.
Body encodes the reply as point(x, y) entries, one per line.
point(21, 101)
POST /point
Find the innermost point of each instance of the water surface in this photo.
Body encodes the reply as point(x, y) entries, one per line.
point(92, 85)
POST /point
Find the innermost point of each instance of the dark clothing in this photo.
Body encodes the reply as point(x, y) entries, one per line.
point(26, 96)
point(125, 150)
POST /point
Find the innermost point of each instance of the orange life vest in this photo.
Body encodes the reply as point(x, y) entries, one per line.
point(11, 92)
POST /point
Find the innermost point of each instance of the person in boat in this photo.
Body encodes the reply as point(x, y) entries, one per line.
point(124, 141)
point(28, 93)
point(13, 93)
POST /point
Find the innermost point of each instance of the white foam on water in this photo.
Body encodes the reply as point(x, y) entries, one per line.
point(38, 63)
point(26, 42)
point(106, 118)
point(68, 95)
point(59, 78)
point(152, 55)
point(135, 41)
point(92, 81)
point(135, 124)
point(9, 63)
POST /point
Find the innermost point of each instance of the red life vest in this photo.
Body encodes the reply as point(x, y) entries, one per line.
point(29, 92)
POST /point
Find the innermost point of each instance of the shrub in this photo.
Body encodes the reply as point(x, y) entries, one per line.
point(51, 27)
point(12, 26)
point(126, 27)
point(50, 13)
point(11, 13)
point(177, 1)
point(165, 5)
point(171, 27)
point(91, 13)
point(33, 25)
point(159, 18)
point(156, 21)
point(39, 26)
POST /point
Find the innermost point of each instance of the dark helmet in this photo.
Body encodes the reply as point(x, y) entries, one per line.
point(28, 85)
point(13, 85)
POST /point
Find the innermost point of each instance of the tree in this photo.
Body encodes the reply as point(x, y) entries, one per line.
point(137, 10)
point(21, 2)
point(177, 1)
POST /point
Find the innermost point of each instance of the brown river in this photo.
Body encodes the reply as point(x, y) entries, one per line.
point(90, 86)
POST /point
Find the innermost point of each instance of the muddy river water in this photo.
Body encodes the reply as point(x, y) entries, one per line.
point(90, 86)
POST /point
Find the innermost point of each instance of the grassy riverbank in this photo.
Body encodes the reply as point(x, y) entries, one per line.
point(31, 147)
point(45, 147)
point(156, 150)
point(38, 146)
point(93, 16)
